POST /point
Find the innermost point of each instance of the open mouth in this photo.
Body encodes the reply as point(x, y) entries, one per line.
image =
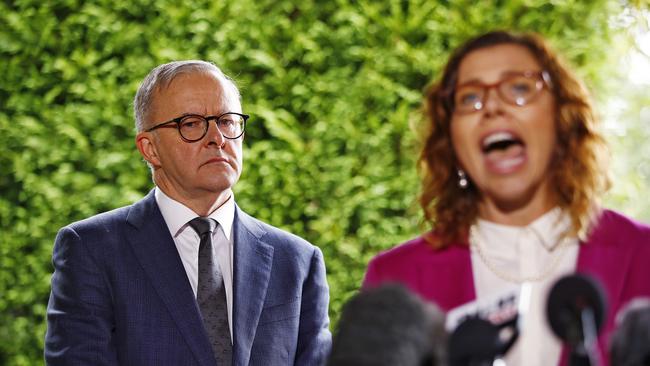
point(504, 152)
point(500, 142)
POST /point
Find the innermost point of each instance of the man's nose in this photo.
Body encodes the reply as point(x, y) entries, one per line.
point(214, 135)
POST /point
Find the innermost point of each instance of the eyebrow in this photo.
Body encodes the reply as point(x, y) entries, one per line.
point(501, 76)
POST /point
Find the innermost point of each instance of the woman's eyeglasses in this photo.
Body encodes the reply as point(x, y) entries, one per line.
point(517, 89)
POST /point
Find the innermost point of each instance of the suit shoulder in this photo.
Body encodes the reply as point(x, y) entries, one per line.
point(400, 261)
point(100, 235)
point(615, 227)
point(279, 238)
point(104, 221)
point(405, 252)
point(419, 249)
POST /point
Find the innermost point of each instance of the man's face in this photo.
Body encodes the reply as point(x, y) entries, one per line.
point(188, 171)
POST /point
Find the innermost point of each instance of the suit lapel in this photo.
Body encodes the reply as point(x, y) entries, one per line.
point(608, 260)
point(252, 265)
point(155, 250)
point(603, 257)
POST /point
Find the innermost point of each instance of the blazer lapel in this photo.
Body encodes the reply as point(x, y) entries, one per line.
point(603, 257)
point(155, 250)
point(608, 260)
point(252, 265)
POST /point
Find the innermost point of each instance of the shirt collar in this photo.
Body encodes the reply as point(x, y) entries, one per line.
point(177, 215)
point(550, 228)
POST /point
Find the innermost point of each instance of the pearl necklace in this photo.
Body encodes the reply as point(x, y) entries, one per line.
point(476, 243)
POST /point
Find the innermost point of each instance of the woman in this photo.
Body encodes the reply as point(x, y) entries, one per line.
point(512, 171)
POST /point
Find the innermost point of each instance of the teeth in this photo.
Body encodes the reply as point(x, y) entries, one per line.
point(497, 137)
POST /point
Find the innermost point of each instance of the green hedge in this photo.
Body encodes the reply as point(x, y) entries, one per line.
point(333, 88)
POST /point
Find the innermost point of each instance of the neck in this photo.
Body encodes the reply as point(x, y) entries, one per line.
point(206, 206)
point(513, 213)
point(202, 204)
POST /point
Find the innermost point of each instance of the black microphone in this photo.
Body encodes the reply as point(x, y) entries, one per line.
point(576, 310)
point(389, 326)
point(484, 330)
point(630, 345)
point(479, 342)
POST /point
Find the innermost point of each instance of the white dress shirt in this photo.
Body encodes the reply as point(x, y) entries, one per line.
point(187, 241)
point(526, 252)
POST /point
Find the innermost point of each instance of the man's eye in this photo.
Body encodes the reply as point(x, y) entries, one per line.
point(191, 123)
point(226, 122)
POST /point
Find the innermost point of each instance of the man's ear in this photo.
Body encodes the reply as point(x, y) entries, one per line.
point(147, 147)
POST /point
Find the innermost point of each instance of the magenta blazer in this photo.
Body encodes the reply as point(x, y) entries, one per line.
point(617, 254)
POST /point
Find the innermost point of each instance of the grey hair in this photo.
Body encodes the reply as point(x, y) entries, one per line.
point(161, 76)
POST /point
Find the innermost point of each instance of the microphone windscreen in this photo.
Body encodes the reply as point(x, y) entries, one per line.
point(474, 342)
point(388, 325)
point(567, 299)
point(630, 344)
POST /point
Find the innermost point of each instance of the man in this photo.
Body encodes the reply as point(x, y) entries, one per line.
point(137, 286)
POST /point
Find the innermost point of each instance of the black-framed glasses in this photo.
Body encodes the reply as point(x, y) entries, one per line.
point(516, 88)
point(193, 127)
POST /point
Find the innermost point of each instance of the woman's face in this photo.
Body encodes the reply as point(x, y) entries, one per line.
point(506, 149)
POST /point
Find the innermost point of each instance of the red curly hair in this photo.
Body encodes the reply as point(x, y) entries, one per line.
point(579, 174)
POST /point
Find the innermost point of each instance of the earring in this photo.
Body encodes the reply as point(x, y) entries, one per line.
point(462, 179)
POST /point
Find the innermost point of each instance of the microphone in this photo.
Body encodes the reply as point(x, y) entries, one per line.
point(389, 326)
point(483, 331)
point(576, 310)
point(630, 345)
point(478, 342)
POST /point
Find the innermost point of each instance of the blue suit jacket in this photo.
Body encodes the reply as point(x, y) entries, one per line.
point(120, 295)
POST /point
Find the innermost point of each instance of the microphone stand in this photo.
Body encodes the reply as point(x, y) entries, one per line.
point(586, 351)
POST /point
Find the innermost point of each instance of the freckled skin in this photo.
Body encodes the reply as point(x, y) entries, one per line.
point(519, 196)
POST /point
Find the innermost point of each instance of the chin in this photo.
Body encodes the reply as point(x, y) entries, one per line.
point(220, 185)
point(515, 196)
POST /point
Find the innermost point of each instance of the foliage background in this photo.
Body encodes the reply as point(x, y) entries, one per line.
point(333, 88)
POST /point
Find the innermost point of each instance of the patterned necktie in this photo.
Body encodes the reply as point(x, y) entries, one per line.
point(211, 293)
